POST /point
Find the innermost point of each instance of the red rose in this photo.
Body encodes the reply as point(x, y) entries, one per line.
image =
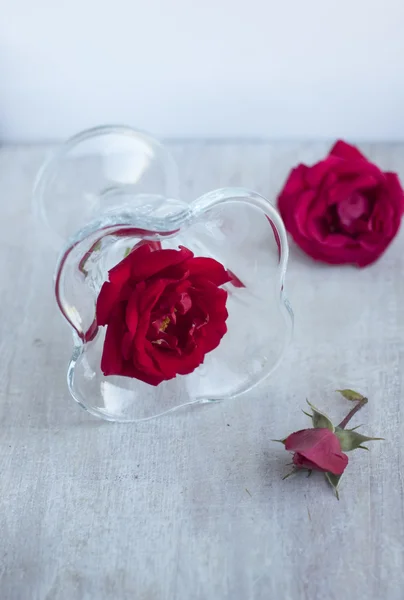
point(344, 209)
point(317, 449)
point(164, 310)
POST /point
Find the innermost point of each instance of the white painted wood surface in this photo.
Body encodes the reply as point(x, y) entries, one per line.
point(192, 505)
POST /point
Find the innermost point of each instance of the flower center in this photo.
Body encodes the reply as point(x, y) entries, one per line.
point(164, 324)
point(350, 216)
point(352, 208)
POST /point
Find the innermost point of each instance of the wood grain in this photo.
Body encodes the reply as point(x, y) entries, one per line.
point(192, 505)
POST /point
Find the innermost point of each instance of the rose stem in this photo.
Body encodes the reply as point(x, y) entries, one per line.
point(352, 412)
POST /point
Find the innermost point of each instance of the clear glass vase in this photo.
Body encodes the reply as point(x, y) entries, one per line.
point(110, 190)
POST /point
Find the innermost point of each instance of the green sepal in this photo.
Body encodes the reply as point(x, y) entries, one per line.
point(293, 472)
point(333, 480)
point(351, 440)
point(319, 419)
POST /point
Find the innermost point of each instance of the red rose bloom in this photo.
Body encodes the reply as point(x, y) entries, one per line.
point(164, 311)
point(344, 209)
point(317, 449)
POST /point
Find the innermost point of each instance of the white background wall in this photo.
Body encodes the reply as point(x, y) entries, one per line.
point(211, 68)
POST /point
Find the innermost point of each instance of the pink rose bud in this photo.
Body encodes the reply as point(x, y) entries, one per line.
point(317, 449)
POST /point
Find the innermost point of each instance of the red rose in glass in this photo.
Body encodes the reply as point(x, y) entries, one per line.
point(164, 310)
point(343, 209)
point(317, 449)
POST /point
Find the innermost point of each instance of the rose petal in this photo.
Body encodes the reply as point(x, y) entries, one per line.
point(302, 207)
point(347, 187)
point(155, 262)
point(358, 168)
point(315, 174)
point(321, 447)
point(305, 439)
point(337, 240)
point(129, 370)
point(208, 268)
point(184, 303)
point(317, 229)
point(295, 182)
point(111, 360)
point(395, 193)
point(145, 301)
point(207, 296)
point(127, 346)
point(132, 310)
point(107, 299)
point(143, 361)
point(121, 273)
point(172, 364)
point(334, 462)
point(151, 295)
point(343, 150)
point(213, 334)
point(152, 245)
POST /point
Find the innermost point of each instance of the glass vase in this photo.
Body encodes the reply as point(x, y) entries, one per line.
point(110, 190)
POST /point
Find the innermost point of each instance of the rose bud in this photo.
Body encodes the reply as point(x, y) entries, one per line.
point(317, 449)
